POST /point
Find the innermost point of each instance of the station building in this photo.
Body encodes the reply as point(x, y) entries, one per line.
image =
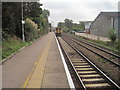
point(87, 26)
point(104, 22)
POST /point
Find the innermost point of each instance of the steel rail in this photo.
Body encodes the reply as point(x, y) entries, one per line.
point(72, 65)
point(96, 53)
point(80, 53)
point(97, 47)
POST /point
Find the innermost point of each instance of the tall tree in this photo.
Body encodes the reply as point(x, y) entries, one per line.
point(32, 9)
point(82, 24)
point(61, 24)
point(12, 16)
point(68, 23)
point(46, 13)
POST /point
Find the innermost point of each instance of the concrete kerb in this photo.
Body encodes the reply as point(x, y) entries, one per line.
point(69, 78)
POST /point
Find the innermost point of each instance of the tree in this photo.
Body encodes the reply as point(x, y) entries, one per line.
point(46, 13)
point(61, 24)
point(68, 23)
point(12, 16)
point(31, 31)
point(32, 9)
point(82, 25)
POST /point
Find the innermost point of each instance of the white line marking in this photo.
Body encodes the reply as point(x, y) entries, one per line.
point(69, 78)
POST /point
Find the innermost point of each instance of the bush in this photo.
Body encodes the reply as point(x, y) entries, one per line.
point(31, 31)
point(112, 35)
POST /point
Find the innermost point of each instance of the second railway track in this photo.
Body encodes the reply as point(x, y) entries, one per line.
point(109, 56)
point(89, 75)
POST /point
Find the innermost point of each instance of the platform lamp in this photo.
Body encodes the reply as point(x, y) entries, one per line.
point(23, 22)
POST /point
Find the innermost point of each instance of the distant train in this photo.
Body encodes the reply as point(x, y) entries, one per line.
point(58, 31)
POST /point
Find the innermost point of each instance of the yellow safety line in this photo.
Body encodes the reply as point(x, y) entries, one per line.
point(29, 76)
point(41, 61)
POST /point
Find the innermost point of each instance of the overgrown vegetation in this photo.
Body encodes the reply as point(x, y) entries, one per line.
point(11, 45)
point(112, 35)
point(108, 44)
point(36, 24)
point(31, 31)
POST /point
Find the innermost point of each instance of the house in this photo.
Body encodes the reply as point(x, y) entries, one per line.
point(104, 22)
point(87, 26)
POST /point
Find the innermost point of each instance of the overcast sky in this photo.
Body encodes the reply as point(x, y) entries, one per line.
point(77, 10)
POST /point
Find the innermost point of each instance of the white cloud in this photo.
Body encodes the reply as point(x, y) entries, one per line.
point(77, 10)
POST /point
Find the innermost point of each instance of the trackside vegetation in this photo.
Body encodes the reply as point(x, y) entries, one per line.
point(36, 25)
point(11, 45)
point(108, 44)
point(112, 35)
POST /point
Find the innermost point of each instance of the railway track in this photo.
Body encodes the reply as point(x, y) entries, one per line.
point(89, 75)
point(98, 47)
point(106, 55)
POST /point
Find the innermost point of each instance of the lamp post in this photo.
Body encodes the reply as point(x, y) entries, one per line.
point(119, 27)
point(23, 22)
point(52, 25)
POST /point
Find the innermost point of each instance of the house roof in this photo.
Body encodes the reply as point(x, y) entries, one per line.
point(111, 14)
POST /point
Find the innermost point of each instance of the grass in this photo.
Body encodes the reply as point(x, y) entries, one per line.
point(101, 60)
point(0, 51)
point(10, 46)
point(110, 45)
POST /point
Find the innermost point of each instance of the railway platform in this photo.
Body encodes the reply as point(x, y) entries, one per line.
point(46, 72)
point(49, 71)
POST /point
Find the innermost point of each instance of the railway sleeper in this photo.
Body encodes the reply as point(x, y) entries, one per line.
point(80, 64)
point(89, 75)
point(92, 79)
point(78, 61)
point(87, 72)
point(95, 82)
point(97, 85)
point(84, 69)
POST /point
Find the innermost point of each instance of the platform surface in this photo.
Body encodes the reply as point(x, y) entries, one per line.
point(37, 66)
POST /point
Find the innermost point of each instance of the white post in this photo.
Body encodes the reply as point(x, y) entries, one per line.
point(23, 36)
